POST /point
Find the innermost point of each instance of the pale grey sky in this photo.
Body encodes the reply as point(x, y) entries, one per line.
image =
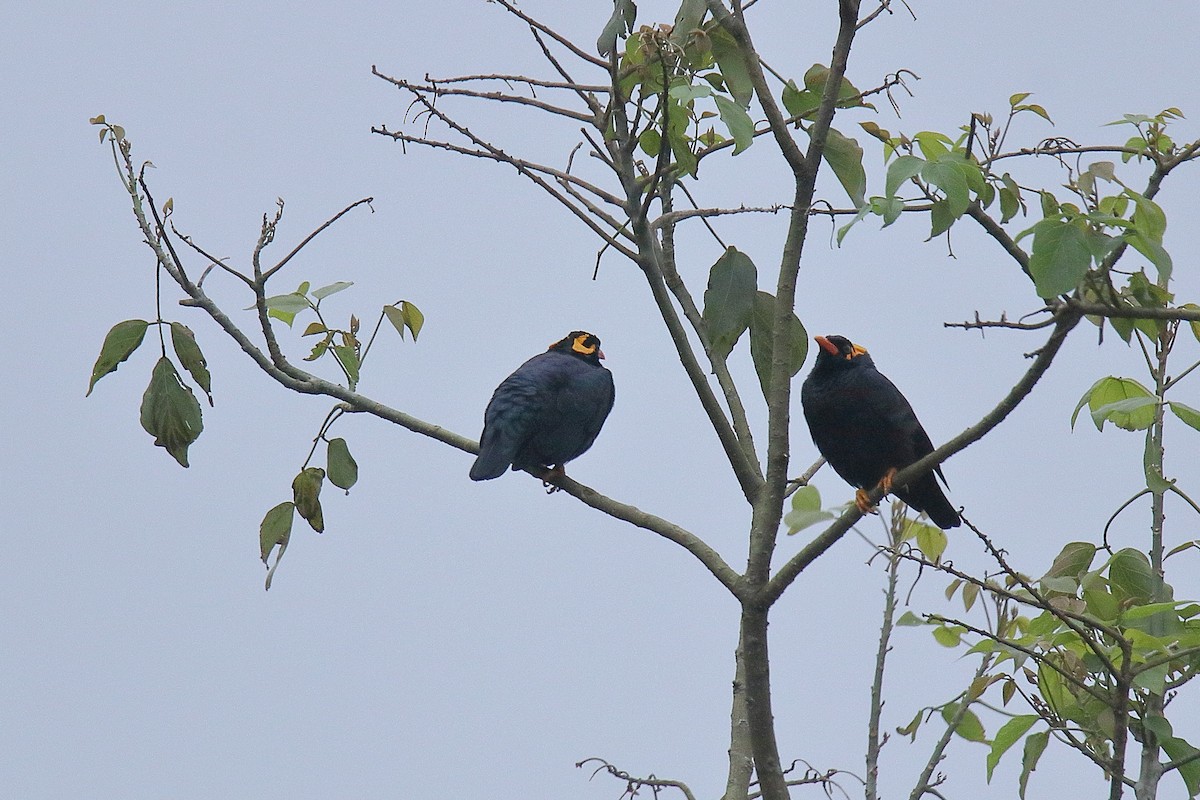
point(476, 640)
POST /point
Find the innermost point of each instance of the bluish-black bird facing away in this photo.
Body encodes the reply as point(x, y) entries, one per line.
point(867, 430)
point(548, 412)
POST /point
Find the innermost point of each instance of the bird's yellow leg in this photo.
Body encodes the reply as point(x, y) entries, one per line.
point(886, 482)
point(864, 502)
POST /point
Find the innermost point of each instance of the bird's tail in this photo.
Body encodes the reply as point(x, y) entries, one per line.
point(942, 513)
point(490, 464)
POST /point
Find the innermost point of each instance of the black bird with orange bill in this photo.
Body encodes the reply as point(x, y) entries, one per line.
point(867, 431)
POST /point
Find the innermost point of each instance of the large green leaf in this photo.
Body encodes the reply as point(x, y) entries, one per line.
point(1072, 561)
point(1179, 750)
point(343, 469)
point(619, 24)
point(900, 171)
point(1008, 735)
point(740, 126)
point(946, 176)
point(184, 342)
point(170, 412)
point(119, 343)
point(1035, 745)
point(1153, 251)
point(1121, 401)
point(1060, 257)
point(275, 529)
point(1132, 578)
point(844, 156)
point(969, 727)
point(762, 341)
point(729, 300)
point(733, 65)
point(306, 493)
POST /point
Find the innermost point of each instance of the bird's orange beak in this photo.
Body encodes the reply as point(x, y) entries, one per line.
point(826, 345)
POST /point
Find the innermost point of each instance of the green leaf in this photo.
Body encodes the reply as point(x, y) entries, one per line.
point(285, 307)
point(857, 218)
point(1036, 109)
point(844, 156)
point(848, 96)
point(933, 145)
point(1083, 401)
point(799, 102)
point(890, 208)
point(1008, 735)
point(1152, 680)
point(1189, 415)
point(651, 142)
point(1131, 577)
point(969, 595)
point(688, 18)
point(1125, 413)
point(740, 126)
point(618, 25)
point(946, 176)
point(332, 288)
point(969, 727)
point(1108, 401)
point(1194, 323)
point(119, 343)
point(1178, 750)
point(1100, 603)
point(1060, 256)
point(911, 728)
point(1148, 217)
point(729, 300)
point(306, 491)
point(941, 217)
point(931, 540)
point(1154, 252)
point(184, 342)
point(170, 412)
point(678, 138)
point(686, 93)
point(348, 356)
point(947, 636)
point(900, 171)
point(412, 317)
point(1010, 198)
point(343, 469)
point(275, 528)
point(1035, 745)
point(733, 65)
point(909, 619)
point(762, 342)
point(806, 510)
point(1072, 561)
